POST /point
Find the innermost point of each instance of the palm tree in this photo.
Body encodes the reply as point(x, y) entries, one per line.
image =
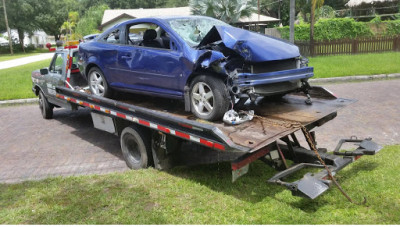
point(229, 11)
point(314, 4)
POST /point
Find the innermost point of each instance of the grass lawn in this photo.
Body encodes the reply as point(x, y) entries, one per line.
point(6, 57)
point(205, 195)
point(351, 65)
point(16, 83)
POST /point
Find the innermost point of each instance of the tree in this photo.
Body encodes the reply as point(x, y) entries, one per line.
point(51, 14)
point(8, 28)
point(20, 14)
point(280, 9)
point(90, 22)
point(314, 4)
point(68, 27)
point(229, 11)
point(336, 4)
point(177, 3)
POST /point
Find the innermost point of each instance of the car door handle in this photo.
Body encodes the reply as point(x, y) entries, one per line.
point(126, 57)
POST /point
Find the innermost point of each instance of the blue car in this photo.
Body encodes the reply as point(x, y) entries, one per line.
point(209, 64)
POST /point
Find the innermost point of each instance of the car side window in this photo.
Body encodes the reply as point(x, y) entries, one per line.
point(112, 37)
point(57, 64)
point(148, 35)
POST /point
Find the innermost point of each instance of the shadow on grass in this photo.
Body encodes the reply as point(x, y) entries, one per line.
point(252, 187)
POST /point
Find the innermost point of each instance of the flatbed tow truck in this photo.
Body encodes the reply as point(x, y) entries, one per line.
point(158, 132)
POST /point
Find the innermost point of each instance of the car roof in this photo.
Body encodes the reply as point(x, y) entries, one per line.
point(160, 19)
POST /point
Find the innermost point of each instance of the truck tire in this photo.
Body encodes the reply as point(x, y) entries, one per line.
point(45, 107)
point(98, 84)
point(136, 149)
point(209, 97)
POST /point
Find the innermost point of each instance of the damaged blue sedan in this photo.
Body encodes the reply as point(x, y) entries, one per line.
point(209, 64)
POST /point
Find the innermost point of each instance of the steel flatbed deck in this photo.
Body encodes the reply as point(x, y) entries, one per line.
point(271, 124)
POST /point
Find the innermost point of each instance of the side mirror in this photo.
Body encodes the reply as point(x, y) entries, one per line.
point(44, 71)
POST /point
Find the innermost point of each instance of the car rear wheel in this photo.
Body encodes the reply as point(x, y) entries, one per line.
point(45, 107)
point(97, 83)
point(209, 97)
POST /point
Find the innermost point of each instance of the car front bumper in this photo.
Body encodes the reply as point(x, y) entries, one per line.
point(272, 82)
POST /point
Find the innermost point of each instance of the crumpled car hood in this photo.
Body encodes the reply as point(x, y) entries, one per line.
point(253, 47)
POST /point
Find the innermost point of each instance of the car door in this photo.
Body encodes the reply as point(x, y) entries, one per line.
point(154, 70)
point(107, 50)
point(55, 77)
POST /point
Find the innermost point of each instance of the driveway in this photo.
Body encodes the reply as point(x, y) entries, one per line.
point(25, 60)
point(33, 148)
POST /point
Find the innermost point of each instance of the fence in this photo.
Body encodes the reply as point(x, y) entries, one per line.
point(349, 46)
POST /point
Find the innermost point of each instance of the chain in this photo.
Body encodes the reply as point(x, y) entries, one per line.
point(294, 125)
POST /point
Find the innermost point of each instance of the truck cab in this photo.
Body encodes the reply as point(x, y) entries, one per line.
point(63, 71)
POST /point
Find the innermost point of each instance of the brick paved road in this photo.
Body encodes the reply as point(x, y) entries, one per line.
point(33, 148)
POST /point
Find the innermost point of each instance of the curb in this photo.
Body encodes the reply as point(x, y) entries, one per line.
point(355, 78)
point(312, 81)
point(18, 101)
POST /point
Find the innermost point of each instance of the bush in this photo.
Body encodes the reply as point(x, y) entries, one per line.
point(330, 29)
point(16, 48)
point(392, 27)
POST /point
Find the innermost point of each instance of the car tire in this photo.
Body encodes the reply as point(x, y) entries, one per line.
point(209, 97)
point(98, 84)
point(45, 107)
point(136, 147)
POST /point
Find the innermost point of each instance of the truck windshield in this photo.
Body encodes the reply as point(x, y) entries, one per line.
point(193, 30)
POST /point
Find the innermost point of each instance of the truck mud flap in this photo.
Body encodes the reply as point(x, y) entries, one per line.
point(314, 184)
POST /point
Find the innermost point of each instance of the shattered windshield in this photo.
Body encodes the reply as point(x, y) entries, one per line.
point(193, 30)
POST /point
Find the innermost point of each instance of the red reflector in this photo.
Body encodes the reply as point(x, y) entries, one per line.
point(121, 115)
point(161, 128)
point(123, 107)
point(85, 104)
point(144, 123)
point(186, 126)
point(61, 96)
point(219, 146)
point(207, 143)
point(183, 135)
point(73, 100)
point(75, 71)
point(97, 107)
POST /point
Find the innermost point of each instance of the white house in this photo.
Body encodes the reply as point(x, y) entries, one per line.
point(38, 38)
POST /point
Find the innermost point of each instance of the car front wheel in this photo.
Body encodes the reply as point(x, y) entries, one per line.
point(97, 83)
point(209, 98)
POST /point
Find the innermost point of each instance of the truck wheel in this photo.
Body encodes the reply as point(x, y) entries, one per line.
point(97, 83)
point(135, 148)
point(45, 107)
point(209, 98)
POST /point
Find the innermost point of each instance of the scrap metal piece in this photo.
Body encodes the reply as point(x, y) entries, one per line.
point(234, 118)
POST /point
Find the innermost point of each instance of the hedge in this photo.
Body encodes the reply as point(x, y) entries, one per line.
point(330, 29)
